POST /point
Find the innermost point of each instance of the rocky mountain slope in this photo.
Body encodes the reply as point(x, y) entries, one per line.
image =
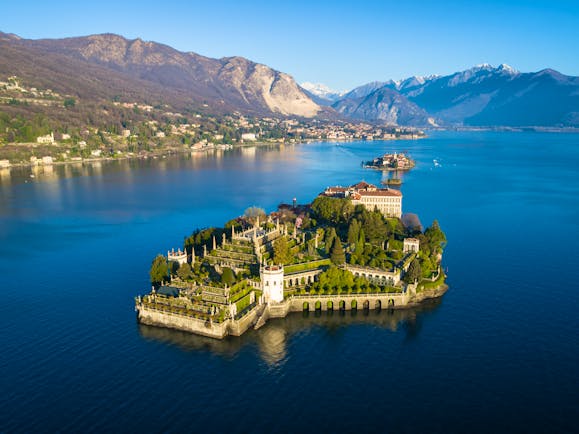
point(385, 105)
point(109, 65)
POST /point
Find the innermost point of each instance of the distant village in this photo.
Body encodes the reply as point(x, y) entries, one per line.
point(159, 131)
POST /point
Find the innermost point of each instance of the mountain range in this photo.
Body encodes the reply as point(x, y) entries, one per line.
point(108, 66)
point(480, 96)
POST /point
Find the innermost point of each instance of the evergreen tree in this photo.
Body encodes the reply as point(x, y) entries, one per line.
point(184, 272)
point(353, 232)
point(361, 243)
point(173, 267)
point(282, 251)
point(436, 240)
point(227, 276)
point(159, 270)
point(329, 241)
point(337, 255)
point(435, 234)
point(414, 272)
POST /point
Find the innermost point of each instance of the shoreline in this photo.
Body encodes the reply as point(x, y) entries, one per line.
point(259, 315)
point(176, 151)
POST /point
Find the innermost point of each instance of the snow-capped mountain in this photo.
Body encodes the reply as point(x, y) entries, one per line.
point(481, 72)
point(483, 95)
point(398, 85)
point(322, 92)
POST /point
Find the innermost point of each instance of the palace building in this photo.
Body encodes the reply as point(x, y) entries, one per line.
point(387, 201)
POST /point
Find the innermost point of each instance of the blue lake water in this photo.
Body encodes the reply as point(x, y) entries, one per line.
point(499, 353)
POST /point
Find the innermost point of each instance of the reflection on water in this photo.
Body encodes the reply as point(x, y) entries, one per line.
point(272, 339)
point(193, 160)
point(76, 249)
point(5, 177)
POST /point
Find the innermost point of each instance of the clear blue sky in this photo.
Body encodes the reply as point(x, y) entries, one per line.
point(340, 43)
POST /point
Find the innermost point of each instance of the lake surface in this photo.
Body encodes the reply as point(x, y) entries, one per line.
point(498, 353)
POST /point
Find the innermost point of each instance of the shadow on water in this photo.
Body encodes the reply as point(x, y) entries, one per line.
point(271, 340)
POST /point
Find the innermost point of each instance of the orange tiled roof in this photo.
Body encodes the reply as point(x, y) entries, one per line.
point(381, 192)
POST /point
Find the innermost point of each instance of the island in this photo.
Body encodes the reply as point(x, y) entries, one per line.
point(351, 248)
point(398, 161)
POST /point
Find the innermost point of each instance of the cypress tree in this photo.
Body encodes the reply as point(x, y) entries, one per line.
point(337, 256)
point(330, 236)
point(414, 272)
point(361, 243)
point(353, 232)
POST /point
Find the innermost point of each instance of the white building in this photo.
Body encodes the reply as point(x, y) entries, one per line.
point(411, 245)
point(177, 256)
point(387, 201)
point(249, 136)
point(272, 283)
point(46, 140)
point(47, 160)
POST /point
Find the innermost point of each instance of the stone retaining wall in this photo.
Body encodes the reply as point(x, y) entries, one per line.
point(180, 322)
point(280, 310)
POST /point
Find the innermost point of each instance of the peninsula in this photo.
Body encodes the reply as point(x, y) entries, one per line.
point(348, 249)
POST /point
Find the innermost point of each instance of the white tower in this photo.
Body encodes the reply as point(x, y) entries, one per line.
point(272, 283)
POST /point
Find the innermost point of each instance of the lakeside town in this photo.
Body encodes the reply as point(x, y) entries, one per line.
point(350, 249)
point(144, 130)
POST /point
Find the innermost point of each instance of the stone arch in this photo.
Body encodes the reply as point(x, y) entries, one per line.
point(391, 302)
point(306, 306)
point(318, 305)
point(367, 304)
point(354, 304)
point(378, 304)
point(330, 305)
point(342, 304)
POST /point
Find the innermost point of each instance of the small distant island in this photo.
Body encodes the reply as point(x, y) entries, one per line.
point(349, 249)
point(398, 161)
